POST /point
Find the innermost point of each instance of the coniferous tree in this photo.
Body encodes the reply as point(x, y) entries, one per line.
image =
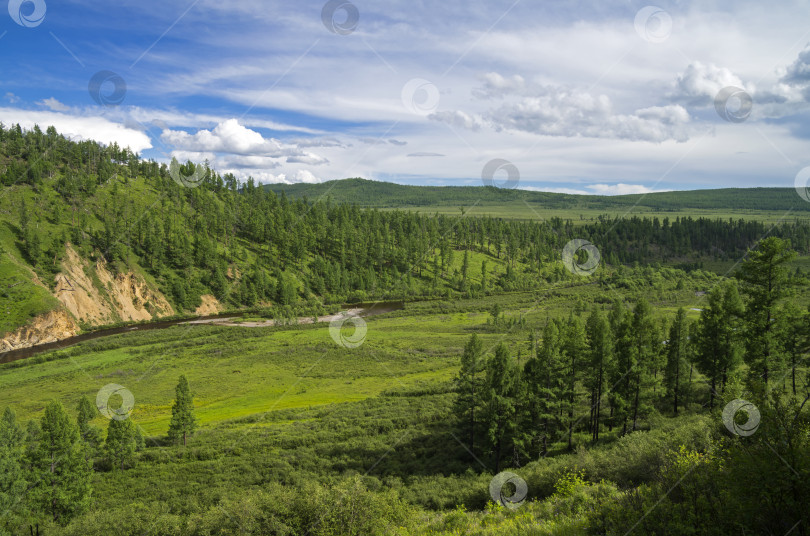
point(574, 354)
point(792, 332)
point(469, 388)
point(716, 343)
point(183, 422)
point(90, 434)
point(676, 371)
point(60, 473)
point(620, 375)
point(121, 443)
point(600, 348)
point(765, 282)
point(500, 403)
point(542, 375)
point(13, 482)
point(644, 348)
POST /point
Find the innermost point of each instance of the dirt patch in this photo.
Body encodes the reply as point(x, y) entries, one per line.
point(77, 292)
point(209, 306)
point(50, 327)
point(131, 297)
point(124, 296)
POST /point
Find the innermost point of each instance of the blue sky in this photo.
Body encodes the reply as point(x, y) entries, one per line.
point(591, 97)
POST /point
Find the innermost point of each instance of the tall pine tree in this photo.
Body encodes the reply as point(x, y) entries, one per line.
point(183, 422)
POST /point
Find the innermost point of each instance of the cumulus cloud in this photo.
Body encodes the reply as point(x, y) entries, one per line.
point(11, 97)
point(559, 111)
point(495, 85)
point(91, 128)
point(700, 83)
point(230, 147)
point(227, 137)
point(299, 176)
point(457, 119)
point(798, 73)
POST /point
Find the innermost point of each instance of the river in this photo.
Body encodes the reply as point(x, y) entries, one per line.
point(358, 309)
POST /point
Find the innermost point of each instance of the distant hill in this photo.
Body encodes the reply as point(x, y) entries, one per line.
point(366, 193)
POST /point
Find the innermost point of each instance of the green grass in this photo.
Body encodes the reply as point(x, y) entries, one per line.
point(240, 371)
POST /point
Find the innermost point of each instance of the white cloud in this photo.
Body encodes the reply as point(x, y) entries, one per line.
point(700, 83)
point(298, 176)
point(621, 189)
point(227, 137)
point(456, 118)
point(91, 128)
point(308, 158)
point(53, 104)
point(597, 189)
point(496, 85)
point(560, 111)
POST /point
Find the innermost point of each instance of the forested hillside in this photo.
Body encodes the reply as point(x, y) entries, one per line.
point(368, 193)
point(76, 209)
